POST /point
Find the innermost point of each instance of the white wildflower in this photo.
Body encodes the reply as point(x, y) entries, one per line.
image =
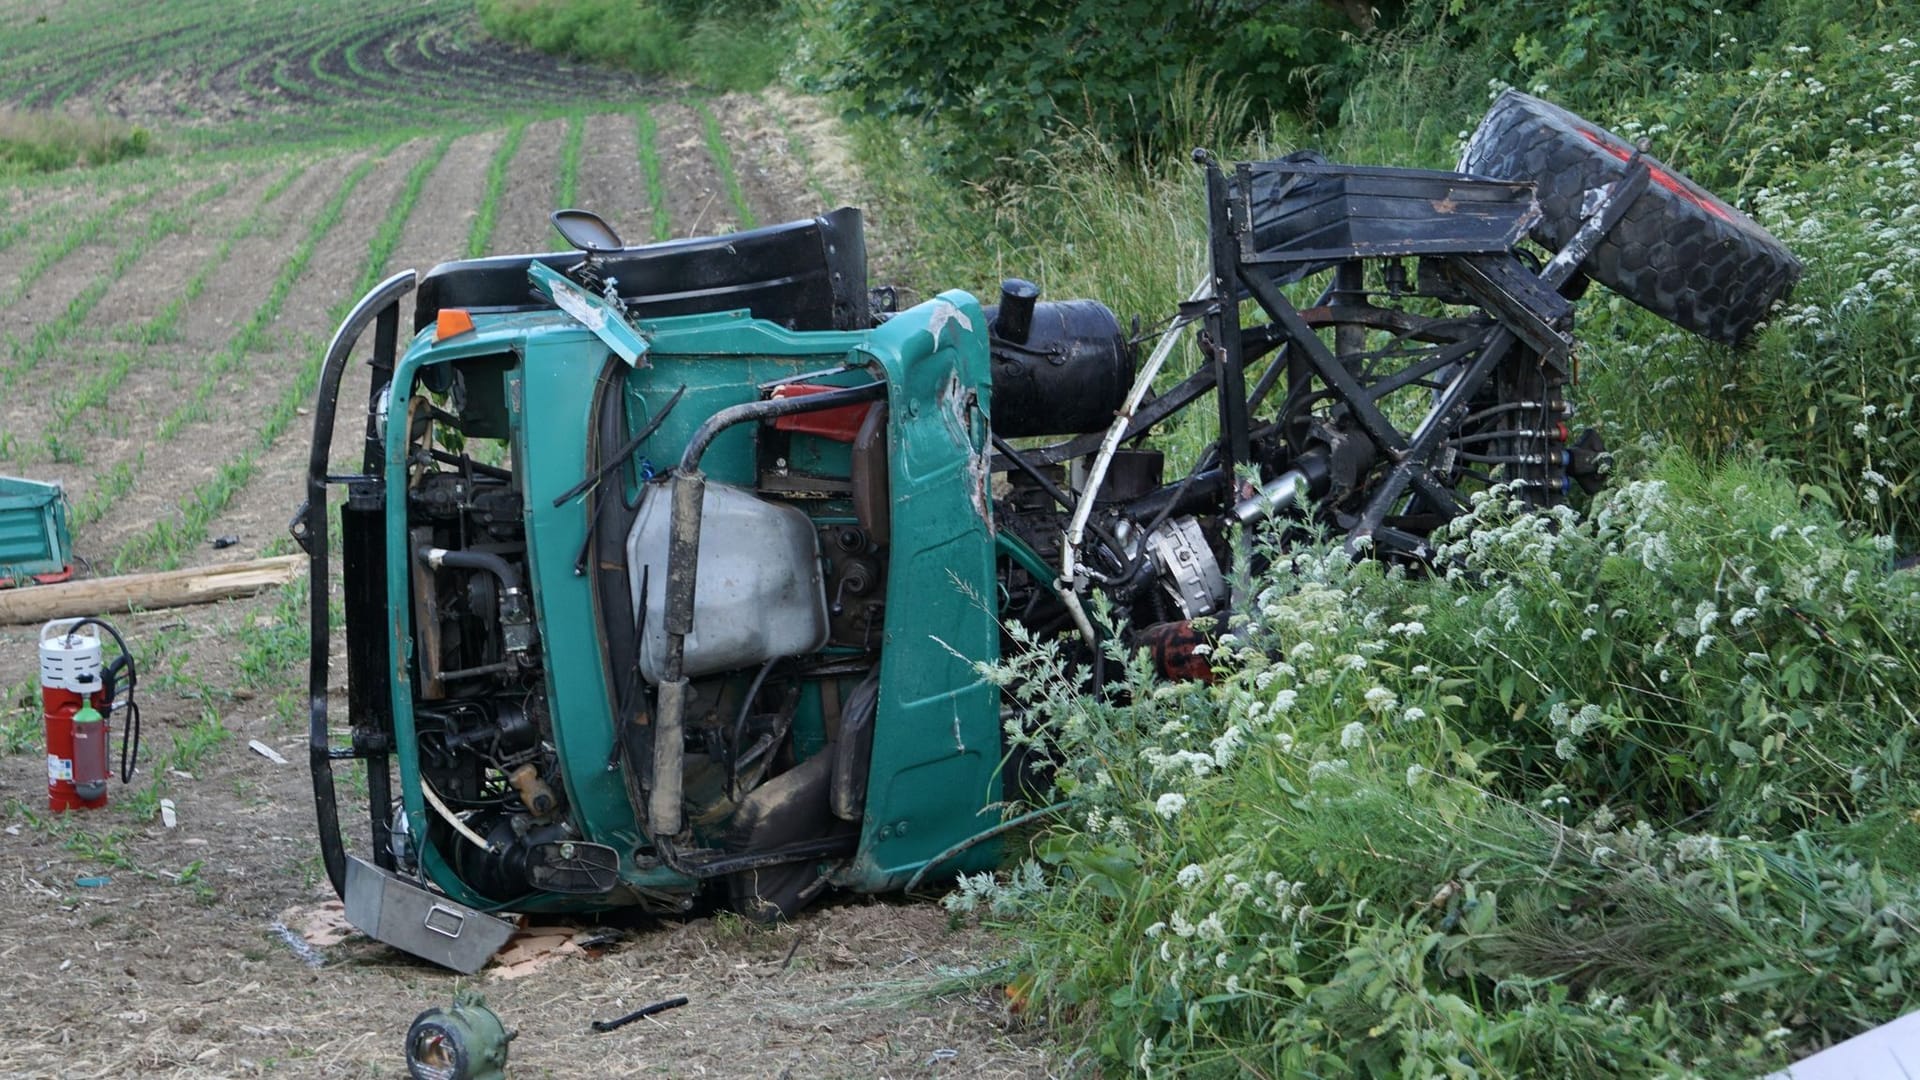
point(1169, 805)
point(1189, 876)
point(1353, 735)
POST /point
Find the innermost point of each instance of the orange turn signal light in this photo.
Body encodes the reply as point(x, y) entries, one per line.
point(452, 322)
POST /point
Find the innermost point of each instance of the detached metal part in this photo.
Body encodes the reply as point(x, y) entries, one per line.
point(390, 909)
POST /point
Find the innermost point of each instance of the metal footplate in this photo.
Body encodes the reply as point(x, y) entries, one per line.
point(392, 910)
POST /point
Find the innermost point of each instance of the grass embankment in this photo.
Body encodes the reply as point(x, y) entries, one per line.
point(1624, 791)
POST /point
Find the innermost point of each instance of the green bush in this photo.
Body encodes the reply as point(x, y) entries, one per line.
point(996, 81)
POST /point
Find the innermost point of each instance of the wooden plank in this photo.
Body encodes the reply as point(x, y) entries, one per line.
point(130, 592)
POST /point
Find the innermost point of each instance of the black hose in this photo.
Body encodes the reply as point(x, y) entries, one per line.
point(768, 410)
point(470, 560)
point(740, 728)
point(130, 732)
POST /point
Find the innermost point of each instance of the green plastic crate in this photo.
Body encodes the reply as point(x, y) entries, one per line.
point(33, 528)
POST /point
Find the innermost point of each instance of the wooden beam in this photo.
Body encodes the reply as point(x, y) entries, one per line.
point(129, 592)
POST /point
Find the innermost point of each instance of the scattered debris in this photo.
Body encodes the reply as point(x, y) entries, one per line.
point(308, 955)
point(96, 882)
point(220, 542)
point(266, 751)
point(465, 1042)
point(649, 1010)
point(535, 947)
point(169, 813)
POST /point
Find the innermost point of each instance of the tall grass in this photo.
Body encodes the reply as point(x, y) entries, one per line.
point(45, 141)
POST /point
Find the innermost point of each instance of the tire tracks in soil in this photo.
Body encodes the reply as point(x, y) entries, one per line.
point(772, 178)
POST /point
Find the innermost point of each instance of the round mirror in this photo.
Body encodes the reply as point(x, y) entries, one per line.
point(585, 230)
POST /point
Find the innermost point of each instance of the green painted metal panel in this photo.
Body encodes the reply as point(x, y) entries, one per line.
point(33, 528)
point(936, 744)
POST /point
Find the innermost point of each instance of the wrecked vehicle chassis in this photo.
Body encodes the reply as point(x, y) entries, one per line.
point(666, 571)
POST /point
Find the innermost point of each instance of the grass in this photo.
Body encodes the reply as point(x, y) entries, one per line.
point(566, 185)
point(723, 161)
point(646, 133)
point(47, 141)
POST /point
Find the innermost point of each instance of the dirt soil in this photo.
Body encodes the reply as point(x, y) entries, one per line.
point(131, 947)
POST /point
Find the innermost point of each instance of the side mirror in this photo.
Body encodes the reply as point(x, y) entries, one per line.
point(585, 230)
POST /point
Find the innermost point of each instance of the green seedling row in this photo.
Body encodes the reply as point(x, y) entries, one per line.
point(94, 393)
point(256, 326)
point(76, 235)
point(567, 185)
point(481, 236)
point(723, 161)
point(646, 134)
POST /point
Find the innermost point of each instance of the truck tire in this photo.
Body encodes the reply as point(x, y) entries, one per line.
point(1678, 251)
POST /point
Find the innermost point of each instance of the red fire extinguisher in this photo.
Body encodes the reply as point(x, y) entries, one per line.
point(78, 696)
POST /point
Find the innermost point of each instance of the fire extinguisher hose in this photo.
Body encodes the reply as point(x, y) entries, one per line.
point(130, 733)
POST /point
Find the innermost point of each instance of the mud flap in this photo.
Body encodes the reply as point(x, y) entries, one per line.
point(392, 910)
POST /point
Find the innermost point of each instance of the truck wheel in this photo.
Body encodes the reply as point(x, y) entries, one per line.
point(1678, 251)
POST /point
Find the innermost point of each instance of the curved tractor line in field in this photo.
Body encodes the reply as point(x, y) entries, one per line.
point(279, 68)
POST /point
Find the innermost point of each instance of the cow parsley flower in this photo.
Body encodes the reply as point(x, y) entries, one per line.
point(1169, 805)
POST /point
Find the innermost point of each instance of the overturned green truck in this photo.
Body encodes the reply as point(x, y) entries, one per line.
point(665, 571)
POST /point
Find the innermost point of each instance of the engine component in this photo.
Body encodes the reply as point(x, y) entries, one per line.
point(1192, 573)
point(1066, 372)
point(760, 589)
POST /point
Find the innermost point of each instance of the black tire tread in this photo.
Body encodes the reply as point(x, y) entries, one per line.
point(1715, 276)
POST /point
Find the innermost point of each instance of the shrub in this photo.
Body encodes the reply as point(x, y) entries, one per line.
point(998, 80)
